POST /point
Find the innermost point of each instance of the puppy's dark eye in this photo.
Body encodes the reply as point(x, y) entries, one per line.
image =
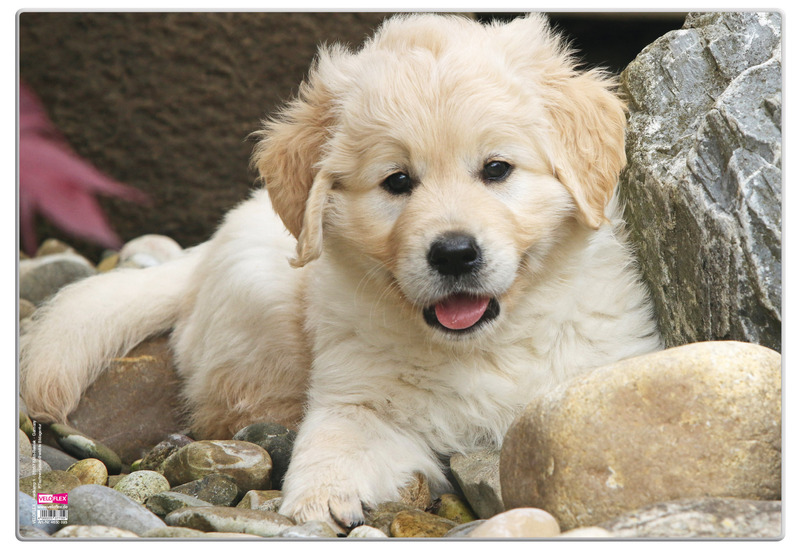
point(496, 170)
point(398, 184)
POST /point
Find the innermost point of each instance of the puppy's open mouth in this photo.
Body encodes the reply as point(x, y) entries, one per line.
point(461, 312)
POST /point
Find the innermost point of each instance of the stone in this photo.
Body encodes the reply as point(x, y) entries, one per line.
point(52, 246)
point(277, 440)
point(696, 420)
point(309, 530)
point(55, 458)
point(94, 531)
point(25, 424)
point(247, 464)
point(100, 505)
point(172, 533)
point(30, 532)
point(463, 530)
point(50, 482)
point(261, 500)
point(114, 479)
point(381, 516)
point(26, 309)
point(40, 278)
point(89, 471)
point(587, 533)
point(24, 444)
point(701, 518)
point(478, 475)
point(231, 520)
point(702, 188)
point(155, 458)
point(453, 507)
point(149, 250)
point(163, 503)
point(366, 532)
point(29, 466)
point(416, 523)
point(108, 262)
point(216, 489)
point(27, 507)
point(135, 403)
point(518, 523)
point(140, 485)
point(81, 446)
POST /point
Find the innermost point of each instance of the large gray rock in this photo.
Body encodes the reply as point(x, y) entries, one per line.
point(688, 422)
point(703, 183)
point(478, 475)
point(701, 518)
point(100, 505)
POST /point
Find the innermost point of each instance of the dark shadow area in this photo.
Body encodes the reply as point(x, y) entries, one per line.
point(608, 39)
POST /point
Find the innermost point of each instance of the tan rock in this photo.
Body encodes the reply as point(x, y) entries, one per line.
point(692, 421)
point(518, 523)
point(135, 404)
point(90, 471)
point(416, 523)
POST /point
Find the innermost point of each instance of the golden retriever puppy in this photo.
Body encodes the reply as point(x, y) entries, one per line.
point(458, 251)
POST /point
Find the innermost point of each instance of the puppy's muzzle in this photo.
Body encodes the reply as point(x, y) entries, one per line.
point(457, 258)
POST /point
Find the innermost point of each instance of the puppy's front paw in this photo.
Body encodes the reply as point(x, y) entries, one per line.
point(340, 509)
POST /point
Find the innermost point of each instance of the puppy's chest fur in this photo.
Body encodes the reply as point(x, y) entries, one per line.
point(465, 395)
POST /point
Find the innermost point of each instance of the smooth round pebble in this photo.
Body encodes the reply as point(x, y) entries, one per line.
point(57, 459)
point(366, 532)
point(248, 464)
point(155, 458)
point(416, 523)
point(27, 507)
point(25, 448)
point(163, 503)
point(30, 532)
point(89, 471)
point(94, 531)
point(172, 533)
point(455, 508)
point(81, 446)
point(149, 250)
point(309, 530)
point(51, 482)
point(29, 466)
point(260, 500)
point(140, 485)
point(230, 520)
point(277, 440)
point(42, 277)
point(587, 533)
point(518, 523)
point(100, 505)
point(216, 489)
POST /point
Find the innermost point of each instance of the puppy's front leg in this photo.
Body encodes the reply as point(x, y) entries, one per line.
point(348, 455)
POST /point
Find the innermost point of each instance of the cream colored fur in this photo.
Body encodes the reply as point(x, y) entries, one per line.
point(337, 342)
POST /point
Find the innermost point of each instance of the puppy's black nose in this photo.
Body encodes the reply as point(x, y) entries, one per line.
point(454, 254)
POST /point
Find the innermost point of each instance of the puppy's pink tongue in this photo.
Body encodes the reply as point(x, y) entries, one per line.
point(460, 311)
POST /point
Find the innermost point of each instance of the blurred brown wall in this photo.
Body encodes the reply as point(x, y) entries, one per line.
point(165, 101)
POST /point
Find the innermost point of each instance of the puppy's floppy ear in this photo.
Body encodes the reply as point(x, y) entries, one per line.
point(589, 142)
point(587, 120)
point(309, 242)
point(291, 145)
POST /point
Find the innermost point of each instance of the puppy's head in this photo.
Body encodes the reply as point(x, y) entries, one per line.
point(446, 158)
